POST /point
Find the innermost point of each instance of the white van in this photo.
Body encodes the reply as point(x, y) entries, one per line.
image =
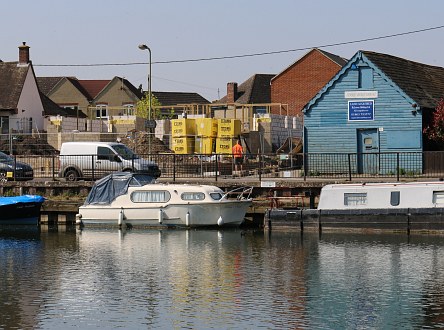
point(94, 160)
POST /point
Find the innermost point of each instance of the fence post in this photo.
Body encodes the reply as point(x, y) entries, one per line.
point(217, 165)
point(260, 166)
point(397, 166)
point(53, 167)
point(349, 168)
point(15, 167)
point(174, 167)
point(92, 168)
point(304, 160)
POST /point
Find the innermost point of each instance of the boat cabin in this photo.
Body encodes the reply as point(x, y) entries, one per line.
point(419, 195)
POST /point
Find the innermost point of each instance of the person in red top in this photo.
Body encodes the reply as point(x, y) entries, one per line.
point(238, 152)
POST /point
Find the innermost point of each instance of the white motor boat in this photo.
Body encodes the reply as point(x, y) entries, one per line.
point(132, 199)
point(391, 195)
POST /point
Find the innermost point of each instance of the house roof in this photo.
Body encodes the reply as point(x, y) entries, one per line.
point(334, 58)
point(11, 84)
point(175, 98)
point(421, 82)
point(47, 84)
point(52, 109)
point(138, 93)
point(254, 90)
point(93, 87)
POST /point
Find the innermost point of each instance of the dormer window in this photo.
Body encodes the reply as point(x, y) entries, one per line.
point(365, 77)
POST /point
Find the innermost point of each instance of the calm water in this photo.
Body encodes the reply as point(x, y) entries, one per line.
point(204, 279)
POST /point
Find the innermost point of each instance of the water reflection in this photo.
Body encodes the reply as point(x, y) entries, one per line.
point(218, 279)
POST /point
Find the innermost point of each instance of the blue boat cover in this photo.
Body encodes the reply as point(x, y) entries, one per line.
point(21, 199)
point(114, 185)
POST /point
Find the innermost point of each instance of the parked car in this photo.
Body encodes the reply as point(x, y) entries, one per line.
point(94, 160)
point(10, 169)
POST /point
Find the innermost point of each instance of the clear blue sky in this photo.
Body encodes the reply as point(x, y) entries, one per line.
point(109, 31)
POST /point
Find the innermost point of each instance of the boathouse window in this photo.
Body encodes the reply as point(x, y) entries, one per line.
point(192, 196)
point(394, 198)
point(354, 199)
point(438, 197)
point(150, 196)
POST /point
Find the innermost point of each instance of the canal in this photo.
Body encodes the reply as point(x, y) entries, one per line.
point(62, 277)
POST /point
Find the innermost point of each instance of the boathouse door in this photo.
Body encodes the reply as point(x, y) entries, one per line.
point(368, 151)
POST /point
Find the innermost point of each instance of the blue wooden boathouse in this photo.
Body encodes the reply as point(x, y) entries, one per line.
point(373, 113)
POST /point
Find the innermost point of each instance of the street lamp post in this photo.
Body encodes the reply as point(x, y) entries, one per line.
point(145, 47)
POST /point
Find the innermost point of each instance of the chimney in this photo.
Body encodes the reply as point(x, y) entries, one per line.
point(24, 54)
point(231, 92)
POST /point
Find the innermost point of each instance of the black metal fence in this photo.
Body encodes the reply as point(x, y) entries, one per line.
point(346, 166)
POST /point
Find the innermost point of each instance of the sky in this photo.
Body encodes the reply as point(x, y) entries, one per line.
point(91, 32)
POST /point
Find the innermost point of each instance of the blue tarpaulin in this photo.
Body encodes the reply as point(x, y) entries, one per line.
point(21, 199)
point(113, 185)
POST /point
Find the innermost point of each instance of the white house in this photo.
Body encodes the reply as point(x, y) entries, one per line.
point(21, 105)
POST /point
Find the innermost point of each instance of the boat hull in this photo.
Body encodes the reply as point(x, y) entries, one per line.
point(20, 210)
point(223, 214)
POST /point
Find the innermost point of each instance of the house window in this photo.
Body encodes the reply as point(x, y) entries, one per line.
point(438, 197)
point(150, 196)
point(355, 199)
point(365, 78)
point(101, 111)
point(128, 110)
point(70, 107)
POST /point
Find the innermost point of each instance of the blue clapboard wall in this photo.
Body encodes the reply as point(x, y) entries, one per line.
point(362, 97)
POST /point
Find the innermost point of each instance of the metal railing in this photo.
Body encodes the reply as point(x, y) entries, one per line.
point(347, 166)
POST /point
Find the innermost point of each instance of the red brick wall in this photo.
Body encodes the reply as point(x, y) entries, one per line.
point(302, 81)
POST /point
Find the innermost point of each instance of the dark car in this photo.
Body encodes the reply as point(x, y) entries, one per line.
point(14, 170)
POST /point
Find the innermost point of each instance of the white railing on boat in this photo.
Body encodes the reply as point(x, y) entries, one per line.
point(239, 193)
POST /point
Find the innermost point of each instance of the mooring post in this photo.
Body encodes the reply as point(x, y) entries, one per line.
point(312, 200)
point(408, 222)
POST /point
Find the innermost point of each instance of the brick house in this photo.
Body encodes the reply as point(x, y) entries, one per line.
point(302, 80)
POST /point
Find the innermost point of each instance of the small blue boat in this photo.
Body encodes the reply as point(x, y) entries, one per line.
point(20, 210)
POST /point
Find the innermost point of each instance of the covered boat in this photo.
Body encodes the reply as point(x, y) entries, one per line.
point(134, 199)
point(20, 210)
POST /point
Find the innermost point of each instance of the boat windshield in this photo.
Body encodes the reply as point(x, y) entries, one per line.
point(125, 152)
point(216, 196)
point(139, 180)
